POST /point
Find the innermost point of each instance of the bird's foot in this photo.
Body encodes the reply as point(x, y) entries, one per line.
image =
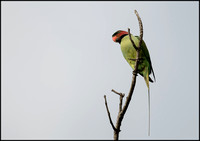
point(135, 72)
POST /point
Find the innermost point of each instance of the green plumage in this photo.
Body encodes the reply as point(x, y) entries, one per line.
point(129, 53)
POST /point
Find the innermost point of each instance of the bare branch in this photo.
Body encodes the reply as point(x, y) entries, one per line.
point(141, 28)
point(120, 94)
point(131, 39)
point(120, 103)
point(109, 116)
point(120, 99)
point(122, 110)
point(128, 99)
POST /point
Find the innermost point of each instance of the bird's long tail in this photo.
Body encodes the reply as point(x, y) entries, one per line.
point(149, 111)
point(146, 78)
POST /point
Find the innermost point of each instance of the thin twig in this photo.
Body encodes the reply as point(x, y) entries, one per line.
point(120, 103)
point(120, 99)
point(141, 28)
point(131, 39)
point(117, 92)
point(109, 116)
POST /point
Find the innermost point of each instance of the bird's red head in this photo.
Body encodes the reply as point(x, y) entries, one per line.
point(117, 36)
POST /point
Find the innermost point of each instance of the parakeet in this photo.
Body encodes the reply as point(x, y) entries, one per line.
point(145, 66)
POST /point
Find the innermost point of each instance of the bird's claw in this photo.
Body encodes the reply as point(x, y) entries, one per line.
point(139, 59)
point(135, 72)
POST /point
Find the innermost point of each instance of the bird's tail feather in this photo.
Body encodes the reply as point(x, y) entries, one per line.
point(149, 112)
point(146, 77)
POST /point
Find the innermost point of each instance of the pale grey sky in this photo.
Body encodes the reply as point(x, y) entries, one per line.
point(59, 60)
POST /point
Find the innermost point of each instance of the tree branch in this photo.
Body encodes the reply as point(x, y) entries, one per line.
point(132, 40)
point(128, 99)
point(120, 99)
point(109, 116)
point(122, 110)
point(120, 103)
point(116, 92)
point(141, 28)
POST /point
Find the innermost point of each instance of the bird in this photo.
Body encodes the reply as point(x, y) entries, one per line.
point(129, 52)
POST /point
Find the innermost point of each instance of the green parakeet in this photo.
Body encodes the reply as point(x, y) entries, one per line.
point(145, 66)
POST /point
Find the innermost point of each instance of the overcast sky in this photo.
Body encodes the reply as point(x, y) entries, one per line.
point(59, 60)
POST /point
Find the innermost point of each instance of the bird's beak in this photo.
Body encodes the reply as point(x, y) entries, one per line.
point(114, 38)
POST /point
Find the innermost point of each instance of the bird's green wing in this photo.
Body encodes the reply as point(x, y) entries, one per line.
point(146, 54)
